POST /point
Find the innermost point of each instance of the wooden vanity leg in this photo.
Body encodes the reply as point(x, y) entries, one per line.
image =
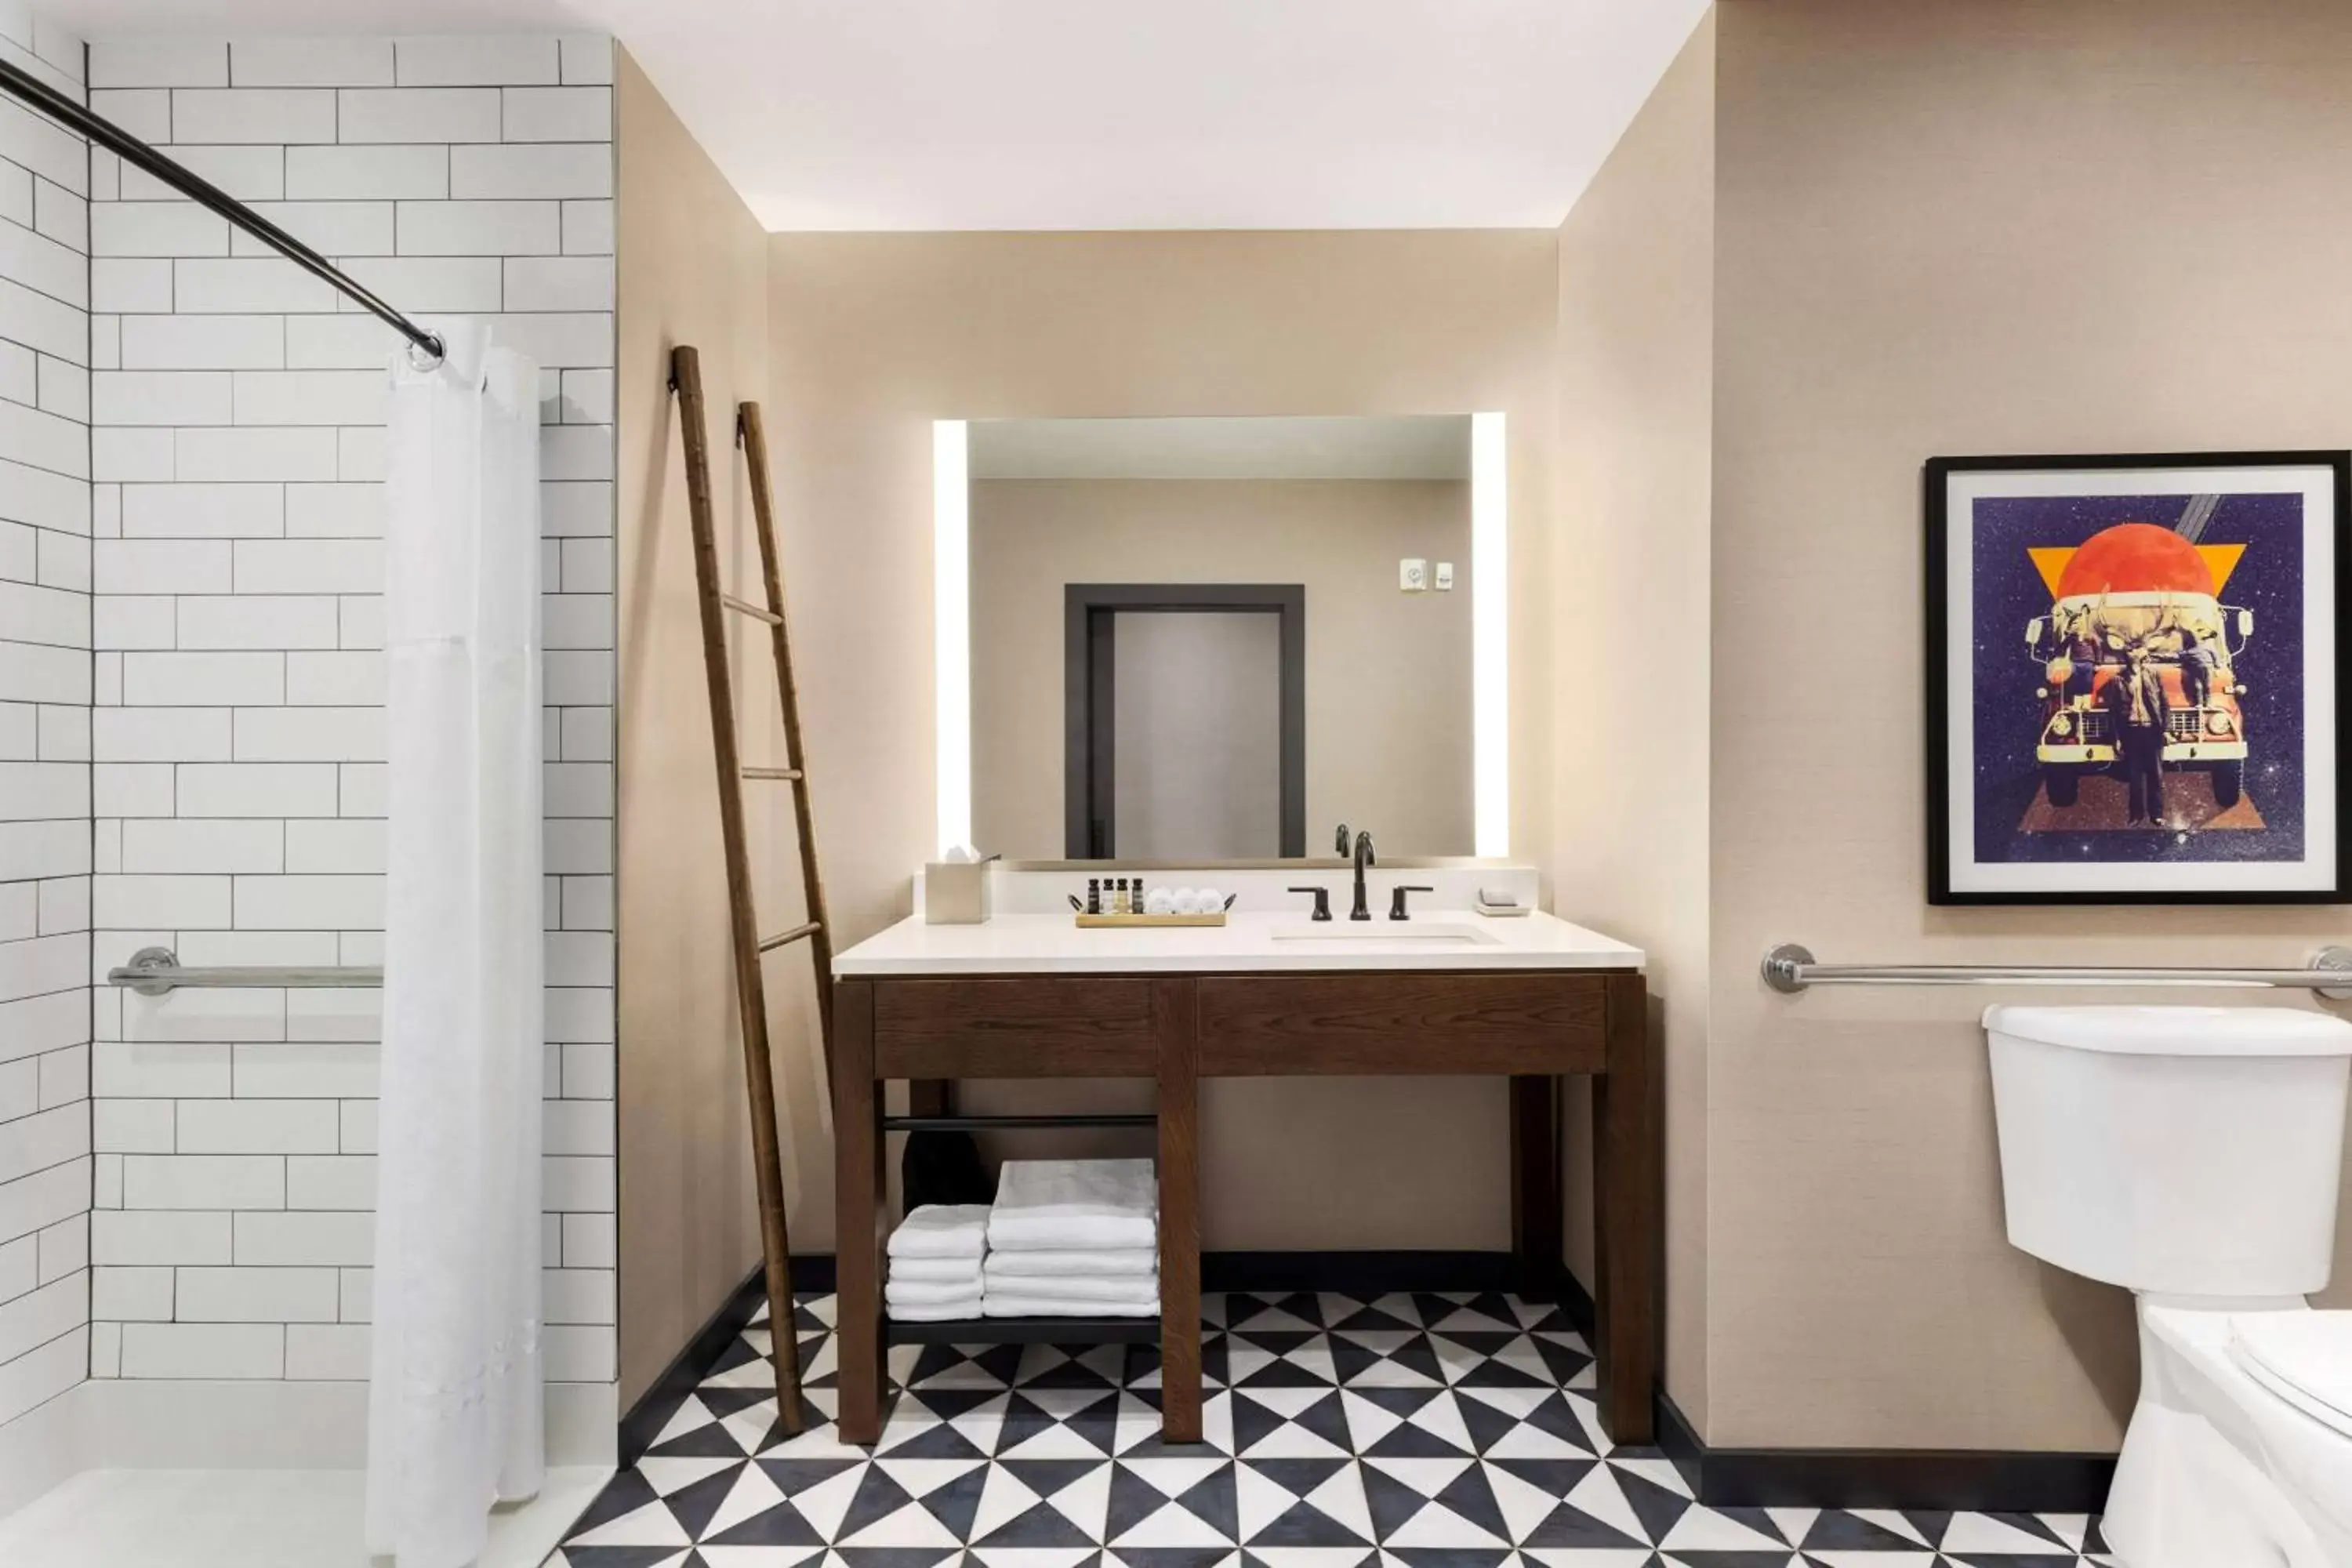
point(1536, 1182)
point(1626, 1174)
point(1176, 1033)
point(858, 1212)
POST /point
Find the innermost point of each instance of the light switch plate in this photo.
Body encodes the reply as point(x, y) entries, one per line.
point(1444, 577)
point(1412, 575)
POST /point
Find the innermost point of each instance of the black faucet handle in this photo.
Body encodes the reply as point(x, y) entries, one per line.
point(1341, 841)
point(1396, 900)
point(1322, 901)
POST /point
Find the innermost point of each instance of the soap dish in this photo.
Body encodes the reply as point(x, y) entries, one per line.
point(1496, 910)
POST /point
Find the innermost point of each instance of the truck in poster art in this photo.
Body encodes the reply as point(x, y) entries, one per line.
point(2137, 594)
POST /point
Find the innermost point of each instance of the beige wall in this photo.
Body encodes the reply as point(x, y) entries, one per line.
point(873, 336)
point(1977, 227)
point(693, 269)
point(1630, 588)
point(1388, 673)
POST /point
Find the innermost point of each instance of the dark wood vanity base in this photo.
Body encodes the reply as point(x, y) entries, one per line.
point(1533, 1026)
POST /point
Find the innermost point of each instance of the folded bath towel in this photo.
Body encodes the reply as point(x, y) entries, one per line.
point(1074, 1204)
point(965, 1270)
point(1061, 1263)
point(1128, 1288)
point(995, 1306)
point(943, 1230)
point(938, 1311)
point(924, 1292)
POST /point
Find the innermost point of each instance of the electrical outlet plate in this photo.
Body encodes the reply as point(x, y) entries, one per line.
point(1412, 575)
point(1444, 577)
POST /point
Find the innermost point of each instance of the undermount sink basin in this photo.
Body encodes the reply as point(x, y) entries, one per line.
point(1390, 935)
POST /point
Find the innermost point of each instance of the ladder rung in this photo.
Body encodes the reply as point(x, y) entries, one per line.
point(767, 943)
point(746, 607)
point(771, 773)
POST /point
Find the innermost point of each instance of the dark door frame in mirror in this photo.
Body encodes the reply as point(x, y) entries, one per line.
point(1089, 669)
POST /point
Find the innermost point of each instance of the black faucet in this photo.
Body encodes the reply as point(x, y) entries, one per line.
point(1363, 858)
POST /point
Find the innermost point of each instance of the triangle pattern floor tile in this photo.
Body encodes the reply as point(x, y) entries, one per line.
point(1423, 1429)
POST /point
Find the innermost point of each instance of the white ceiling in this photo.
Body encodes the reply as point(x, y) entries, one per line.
point(1341, 447)
point(1043, 114)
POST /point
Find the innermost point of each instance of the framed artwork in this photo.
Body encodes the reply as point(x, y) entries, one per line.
point(2136, 692)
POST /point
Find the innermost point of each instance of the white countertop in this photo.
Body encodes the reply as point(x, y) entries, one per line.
point(1053, 943)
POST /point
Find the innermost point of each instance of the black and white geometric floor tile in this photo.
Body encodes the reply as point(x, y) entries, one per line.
point(1410, 1431)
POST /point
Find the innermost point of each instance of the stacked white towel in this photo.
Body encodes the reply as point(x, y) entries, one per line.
point(1072, 1238)
point(935, 1260)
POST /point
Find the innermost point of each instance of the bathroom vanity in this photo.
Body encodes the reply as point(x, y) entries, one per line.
point(1446, 992)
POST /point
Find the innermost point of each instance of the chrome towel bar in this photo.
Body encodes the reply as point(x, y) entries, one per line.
point(1790, 968)
point(157, 971)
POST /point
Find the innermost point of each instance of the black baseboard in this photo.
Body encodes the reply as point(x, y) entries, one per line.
point(643, 1421)
point(1943, 1480)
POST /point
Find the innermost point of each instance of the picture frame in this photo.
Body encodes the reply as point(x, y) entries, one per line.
point(2137, 688)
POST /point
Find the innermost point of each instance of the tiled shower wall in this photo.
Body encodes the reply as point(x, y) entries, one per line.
point(44, 733)
point(238, 737)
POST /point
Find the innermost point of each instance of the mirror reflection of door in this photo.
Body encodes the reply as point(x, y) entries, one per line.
point(1185, 730)
point(1196, 704)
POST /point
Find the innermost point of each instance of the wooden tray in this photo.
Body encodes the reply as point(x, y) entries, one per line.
point(1118, 922)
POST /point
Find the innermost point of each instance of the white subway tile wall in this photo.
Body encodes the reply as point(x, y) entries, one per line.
point(237, 732)
point(46, 623)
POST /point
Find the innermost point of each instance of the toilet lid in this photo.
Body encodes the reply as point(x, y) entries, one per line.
point(2305, 1357)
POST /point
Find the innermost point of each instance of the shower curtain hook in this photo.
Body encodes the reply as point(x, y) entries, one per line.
point(429, 354)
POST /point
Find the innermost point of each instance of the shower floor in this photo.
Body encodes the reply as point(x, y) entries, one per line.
point(1409, 1431)
point(249, 1519)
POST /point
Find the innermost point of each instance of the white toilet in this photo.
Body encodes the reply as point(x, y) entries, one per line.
point(2194, 1155)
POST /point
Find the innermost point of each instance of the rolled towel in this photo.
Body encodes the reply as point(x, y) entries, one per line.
point(943, 1230)
point(970, 1306)
point(1142, 1289)
point(996, 1306)
point(1065, 1262)
point(963, 1269)
point(1074, 1204)
point(923, 1292)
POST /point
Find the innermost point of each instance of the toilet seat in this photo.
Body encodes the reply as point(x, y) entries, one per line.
point(2304, 1358)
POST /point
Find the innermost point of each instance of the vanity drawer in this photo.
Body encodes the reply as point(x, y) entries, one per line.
point(1385, 1023)
point(1053, 1026)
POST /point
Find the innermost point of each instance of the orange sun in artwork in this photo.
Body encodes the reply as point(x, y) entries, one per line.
point(2137, 557)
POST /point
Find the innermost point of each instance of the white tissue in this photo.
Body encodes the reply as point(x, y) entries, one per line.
point(1211, 899)
point(1159, 903)
point(1185, 901)
point(960, 854)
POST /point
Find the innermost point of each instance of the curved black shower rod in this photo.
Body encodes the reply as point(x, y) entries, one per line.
point(104, 133)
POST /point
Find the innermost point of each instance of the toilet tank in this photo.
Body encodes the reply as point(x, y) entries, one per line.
point(2189, 1151)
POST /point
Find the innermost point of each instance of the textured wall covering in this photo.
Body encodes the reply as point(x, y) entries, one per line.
point(1635, 422)
point(44, 691)
point(239, 407)
point(1957, 228)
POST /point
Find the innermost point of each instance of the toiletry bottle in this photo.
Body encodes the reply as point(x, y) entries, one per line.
point(1125, 898)
point(1094, 895)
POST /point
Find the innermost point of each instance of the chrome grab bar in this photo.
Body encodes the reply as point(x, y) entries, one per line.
point(157, 971)
point(1790, 968)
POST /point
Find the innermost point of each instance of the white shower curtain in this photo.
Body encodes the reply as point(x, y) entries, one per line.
point(454, 1418)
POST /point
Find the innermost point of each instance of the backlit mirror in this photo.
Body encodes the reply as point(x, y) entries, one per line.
point(1216, 640)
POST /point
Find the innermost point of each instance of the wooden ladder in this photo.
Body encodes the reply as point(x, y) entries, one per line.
point(685, 381)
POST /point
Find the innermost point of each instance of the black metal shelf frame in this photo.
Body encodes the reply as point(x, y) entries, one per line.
point(100, 132)
point(991, 1123)
point(1024, 1332)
